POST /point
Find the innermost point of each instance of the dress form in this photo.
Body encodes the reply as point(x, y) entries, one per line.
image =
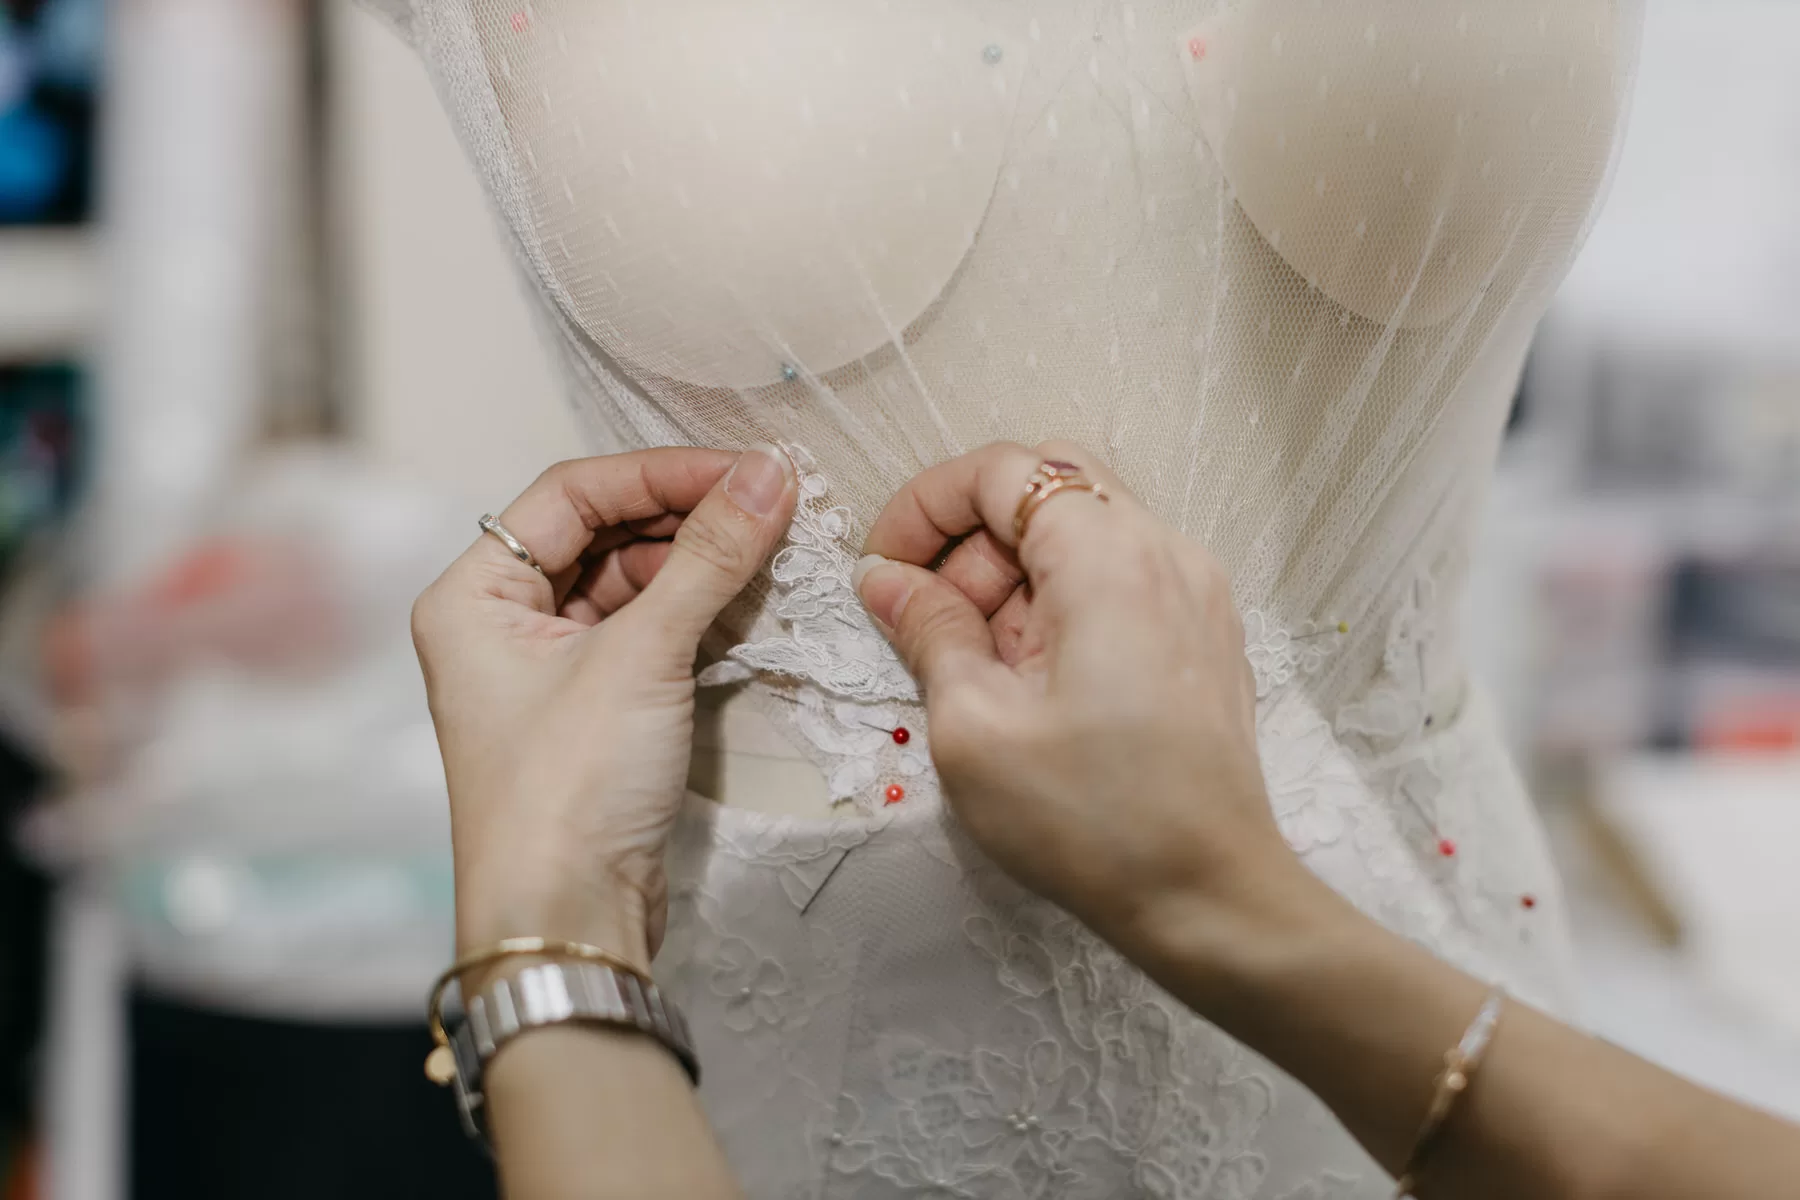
point(1278, 261)
point(714, 237)
point(743, 759)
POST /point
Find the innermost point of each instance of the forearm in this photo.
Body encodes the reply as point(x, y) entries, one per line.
point(586, 1111)
point(598, 1114)
point(1362, 1018)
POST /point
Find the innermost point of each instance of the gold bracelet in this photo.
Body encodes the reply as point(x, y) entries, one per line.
point(439, 1065)
point(1461, 1062)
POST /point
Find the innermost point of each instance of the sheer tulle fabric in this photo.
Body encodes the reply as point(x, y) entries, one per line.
point(1279, 261)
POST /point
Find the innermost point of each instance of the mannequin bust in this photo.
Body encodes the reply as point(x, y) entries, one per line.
point(1278, 262)
point(1291, 203)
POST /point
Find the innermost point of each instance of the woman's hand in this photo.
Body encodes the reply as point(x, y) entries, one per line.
point(564, 701)
point(1092, 711)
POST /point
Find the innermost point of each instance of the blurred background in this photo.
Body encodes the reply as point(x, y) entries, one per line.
point(262, 358)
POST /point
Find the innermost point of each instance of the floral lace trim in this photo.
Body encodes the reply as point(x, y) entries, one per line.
point(827, 637)
point(1087, 1084)
point(844, 679)
point(1397, 708)
point(801, 854)
point(860, 740)
point(1279, 655)
point(843, 688)
point(1424, 857)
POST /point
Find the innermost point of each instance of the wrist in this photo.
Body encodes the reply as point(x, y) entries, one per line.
point(1223, 948)
point(610, 919)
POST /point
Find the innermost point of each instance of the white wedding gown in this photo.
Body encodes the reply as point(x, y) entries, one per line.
point(1279, 261)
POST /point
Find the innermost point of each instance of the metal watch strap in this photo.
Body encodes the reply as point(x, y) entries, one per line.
point(555, 993)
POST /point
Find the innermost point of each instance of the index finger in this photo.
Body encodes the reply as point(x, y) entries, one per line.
point(558, 516)
point(981, 489)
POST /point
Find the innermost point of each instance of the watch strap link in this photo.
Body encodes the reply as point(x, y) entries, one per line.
point(555, 993)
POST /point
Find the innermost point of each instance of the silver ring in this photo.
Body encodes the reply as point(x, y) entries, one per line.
point(491, 524)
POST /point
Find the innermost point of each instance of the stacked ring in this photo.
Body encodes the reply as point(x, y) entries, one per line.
point(1050, 478)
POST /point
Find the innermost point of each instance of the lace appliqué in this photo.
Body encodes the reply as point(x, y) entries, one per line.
point(1088, 1083)
point(1278, 655)
point(723, 970)
point(802, 854)
point(826, 636)
point(1396, 708)
point(1424, 858)
point(844, 685)
point(845, 682)
point(859, 738)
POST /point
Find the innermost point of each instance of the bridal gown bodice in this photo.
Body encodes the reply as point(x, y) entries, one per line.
point(1279, 262)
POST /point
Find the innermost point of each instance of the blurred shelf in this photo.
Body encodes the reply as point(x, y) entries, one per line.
point(49, 292)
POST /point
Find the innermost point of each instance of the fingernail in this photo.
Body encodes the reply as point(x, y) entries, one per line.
point(864, 565)
point(884, 593)
point(759, 479)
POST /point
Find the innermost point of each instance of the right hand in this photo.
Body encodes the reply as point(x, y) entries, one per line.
point(1092, 710)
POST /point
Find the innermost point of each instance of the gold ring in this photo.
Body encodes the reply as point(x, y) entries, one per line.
point(1050, 478)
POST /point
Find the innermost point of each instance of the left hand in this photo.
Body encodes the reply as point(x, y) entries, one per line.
point(564, 702)
point(1093, 717)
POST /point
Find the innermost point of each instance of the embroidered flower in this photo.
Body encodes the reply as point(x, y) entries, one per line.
point(1033, 1103)
point(754, 988)
point(1397, 707)
point(937, 1163)
point(1311, 781)
point(851, 1147)
point(1278, 655)
point(1025, 964)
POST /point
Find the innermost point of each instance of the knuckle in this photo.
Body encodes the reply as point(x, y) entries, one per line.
point(426, 618)
point(927, 619)
point(1004, 455)
point(1062, 448)
point(566, 479)
point(1214, 582)
point(556, 476)
point(709, 541)
point(1139, 566)
point(1007, 448)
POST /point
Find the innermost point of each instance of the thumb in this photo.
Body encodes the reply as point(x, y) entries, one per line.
point(721, 544)
point(937, 630)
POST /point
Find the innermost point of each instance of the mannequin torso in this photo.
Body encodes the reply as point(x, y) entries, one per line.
point(1279, 263)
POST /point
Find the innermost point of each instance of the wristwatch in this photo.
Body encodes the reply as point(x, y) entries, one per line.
point(553, 993)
